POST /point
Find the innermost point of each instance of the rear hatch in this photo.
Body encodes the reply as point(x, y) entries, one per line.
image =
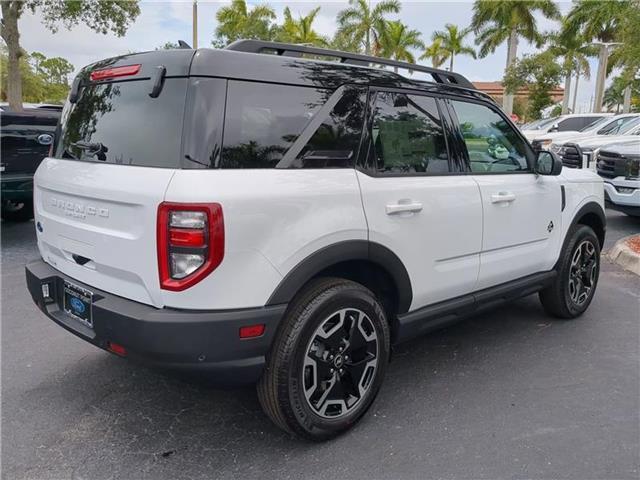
point(116, 149)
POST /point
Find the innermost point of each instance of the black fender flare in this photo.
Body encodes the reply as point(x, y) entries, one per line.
point(589, 207)
point(595, 208)
point(342, 252)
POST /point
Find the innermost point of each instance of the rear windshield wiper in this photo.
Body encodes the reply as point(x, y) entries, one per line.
point(92, 149)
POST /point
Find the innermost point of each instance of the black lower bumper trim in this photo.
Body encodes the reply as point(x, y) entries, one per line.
point(193, 340)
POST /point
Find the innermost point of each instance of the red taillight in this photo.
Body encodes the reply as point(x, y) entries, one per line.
point(252, 331)
point(114, 72)
point(190, 243)
point(187, 237)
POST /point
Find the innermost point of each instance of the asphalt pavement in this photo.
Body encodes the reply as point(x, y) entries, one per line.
point(507, 394)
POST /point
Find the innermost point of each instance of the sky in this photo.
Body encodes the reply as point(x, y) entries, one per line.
point(160, 22)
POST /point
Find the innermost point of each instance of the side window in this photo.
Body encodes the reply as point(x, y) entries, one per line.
point(573, 124)
point(335, 142)
point(263, 120)
point(492, 144)
point(407, 135)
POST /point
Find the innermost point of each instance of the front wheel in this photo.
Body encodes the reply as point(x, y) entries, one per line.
point(573, 288)
point(328, 360)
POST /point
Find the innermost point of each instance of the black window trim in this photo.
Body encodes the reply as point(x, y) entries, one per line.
point(460, 139)
point(366, 144)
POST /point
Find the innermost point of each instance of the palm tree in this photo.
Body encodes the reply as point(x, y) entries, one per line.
point(435, 53)
point(497, 21)
point(365, 23)
point(396, 41)
point(575, 55)
point(237, 21)
point(601, 21)
point(452, 39)
point(301, 30)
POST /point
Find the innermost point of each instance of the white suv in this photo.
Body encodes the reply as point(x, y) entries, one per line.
point(283, 220)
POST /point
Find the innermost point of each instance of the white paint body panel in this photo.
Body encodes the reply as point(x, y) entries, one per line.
point(106, 213)
point(439, 245)
point(273, 220)
point(457, 243)
point(516, 239)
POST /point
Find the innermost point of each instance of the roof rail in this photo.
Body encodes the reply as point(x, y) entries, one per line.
point(293, 50)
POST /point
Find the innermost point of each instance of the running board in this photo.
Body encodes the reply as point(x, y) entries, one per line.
point(438, 315)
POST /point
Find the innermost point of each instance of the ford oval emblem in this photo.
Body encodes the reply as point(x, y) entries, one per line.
point(77, 305)
point(45, 139)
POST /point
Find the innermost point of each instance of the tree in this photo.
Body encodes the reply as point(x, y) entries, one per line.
point(102, 16)
point(237, 21)
point(345, 43)
point(452, 40)
point(364, 23)
point(300, 30)
point(614, 94)
point(42, 79)
point(56, 70)
point(497, 21)
point(575, 55)
point(435, 53)
point(168, 46)
point(603, 22)
point(37, 58)
point(397, 40)
point(540, 73)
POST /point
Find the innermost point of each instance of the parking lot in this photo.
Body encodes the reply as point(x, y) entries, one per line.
point(507, 394)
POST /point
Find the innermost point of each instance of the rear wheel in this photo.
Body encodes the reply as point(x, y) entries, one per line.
point(573, 289)
point(17, 211)
point(328, 360)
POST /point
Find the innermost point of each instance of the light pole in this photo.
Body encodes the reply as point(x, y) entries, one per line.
point(194, 42)
point(603, 57)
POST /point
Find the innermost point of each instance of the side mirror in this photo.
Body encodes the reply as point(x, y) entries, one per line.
point(554, 128)
point(548, 163)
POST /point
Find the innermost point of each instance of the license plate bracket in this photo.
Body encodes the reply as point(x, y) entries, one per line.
point(77, 302)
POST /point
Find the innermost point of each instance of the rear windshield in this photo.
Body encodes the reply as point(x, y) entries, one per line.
point(120, 123)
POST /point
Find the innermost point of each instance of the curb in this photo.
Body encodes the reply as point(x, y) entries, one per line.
point(622, 255)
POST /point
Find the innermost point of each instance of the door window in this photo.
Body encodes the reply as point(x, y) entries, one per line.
point(407, 136)
point(493, 146)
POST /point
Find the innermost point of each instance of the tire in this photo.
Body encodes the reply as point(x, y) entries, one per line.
point(310, 387)
point(17, 211)
point(573, 289)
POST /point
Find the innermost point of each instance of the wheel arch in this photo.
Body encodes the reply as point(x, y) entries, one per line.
point(592, 215)
point(368, 263)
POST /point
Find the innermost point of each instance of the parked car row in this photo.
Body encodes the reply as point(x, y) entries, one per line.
point(611, 147)
point(26, 139)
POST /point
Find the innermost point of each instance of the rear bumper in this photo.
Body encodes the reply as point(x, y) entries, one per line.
point(17, 186)
point(193, 340)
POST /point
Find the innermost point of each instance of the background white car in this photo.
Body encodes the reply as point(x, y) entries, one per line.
point(573, 122)
point(615, 125)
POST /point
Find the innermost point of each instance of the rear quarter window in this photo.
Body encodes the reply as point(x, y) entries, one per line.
point(263, 120)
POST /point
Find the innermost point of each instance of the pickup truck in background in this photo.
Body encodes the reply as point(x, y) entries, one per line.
point(619, 166)
point(26, 138)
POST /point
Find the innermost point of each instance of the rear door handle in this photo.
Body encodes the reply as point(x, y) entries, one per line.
point(410, 206)
point(503, 197)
